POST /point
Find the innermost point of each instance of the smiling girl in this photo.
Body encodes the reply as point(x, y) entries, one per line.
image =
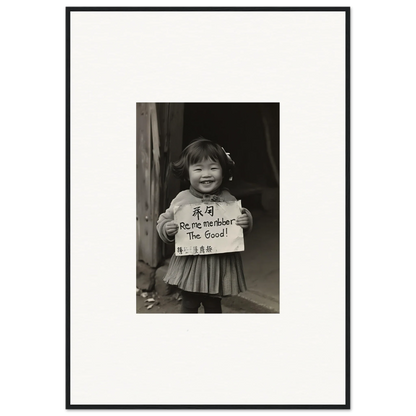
point(204, 278)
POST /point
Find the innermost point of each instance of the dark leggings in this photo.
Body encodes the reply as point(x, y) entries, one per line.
point(192, 301)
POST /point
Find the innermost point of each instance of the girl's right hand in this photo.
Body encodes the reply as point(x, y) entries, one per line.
point(171, 228)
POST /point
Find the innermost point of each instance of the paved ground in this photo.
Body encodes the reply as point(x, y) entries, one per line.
point(261, 259)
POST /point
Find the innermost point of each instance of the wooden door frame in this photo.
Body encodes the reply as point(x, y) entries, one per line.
point(158, 143)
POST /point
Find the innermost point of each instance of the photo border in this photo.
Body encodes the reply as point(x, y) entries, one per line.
point(350, 220)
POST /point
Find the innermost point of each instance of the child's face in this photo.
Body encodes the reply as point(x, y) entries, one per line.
point(205, 176)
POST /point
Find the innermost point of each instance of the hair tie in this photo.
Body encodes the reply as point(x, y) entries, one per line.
point(230, 160)
point(228, 156)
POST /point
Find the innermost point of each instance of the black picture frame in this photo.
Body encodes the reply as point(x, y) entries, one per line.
point(349, 406)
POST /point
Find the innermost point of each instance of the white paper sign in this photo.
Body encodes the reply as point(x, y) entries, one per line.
point(208, 228)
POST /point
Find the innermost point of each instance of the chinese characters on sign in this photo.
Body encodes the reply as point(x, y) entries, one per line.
point(209, 210)
point(187, 251)
point(208, 228)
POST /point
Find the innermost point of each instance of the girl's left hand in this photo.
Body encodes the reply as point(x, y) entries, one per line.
point(243, 221)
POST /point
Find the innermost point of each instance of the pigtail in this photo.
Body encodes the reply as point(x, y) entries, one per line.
point(180, 168)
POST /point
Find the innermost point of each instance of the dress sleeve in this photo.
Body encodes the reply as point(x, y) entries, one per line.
point(250, 217)
point(164, 218)
point(229, 197)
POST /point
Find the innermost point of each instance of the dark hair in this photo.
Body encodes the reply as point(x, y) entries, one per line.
point(201, 149)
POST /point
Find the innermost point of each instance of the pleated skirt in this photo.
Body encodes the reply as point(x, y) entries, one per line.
point(214, 274)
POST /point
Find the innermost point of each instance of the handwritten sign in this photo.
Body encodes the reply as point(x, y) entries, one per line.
point(208, 228)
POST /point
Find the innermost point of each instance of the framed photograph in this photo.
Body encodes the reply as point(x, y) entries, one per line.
point(244, 262)
point(208, 163)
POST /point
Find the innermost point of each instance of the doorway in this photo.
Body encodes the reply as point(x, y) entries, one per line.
point(250, 133)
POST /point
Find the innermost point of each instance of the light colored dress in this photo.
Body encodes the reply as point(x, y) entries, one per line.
point(213, 274)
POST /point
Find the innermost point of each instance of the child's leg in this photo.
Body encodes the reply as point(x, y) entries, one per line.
point(211, 304)
point(190, 302)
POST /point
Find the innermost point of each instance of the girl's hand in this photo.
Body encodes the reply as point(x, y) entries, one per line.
point(243, 221)
point(171, 228)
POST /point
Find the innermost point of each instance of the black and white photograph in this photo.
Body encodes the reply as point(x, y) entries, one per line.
point(209, 176)
point(214, 256)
